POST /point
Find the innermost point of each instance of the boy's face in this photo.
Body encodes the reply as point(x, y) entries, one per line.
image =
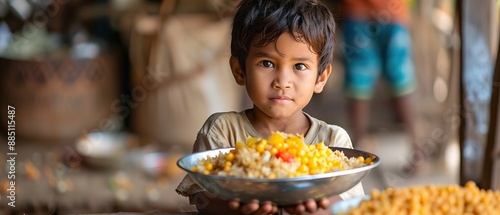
point(281, 77)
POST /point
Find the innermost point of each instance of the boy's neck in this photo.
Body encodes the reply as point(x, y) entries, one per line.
point(265, 125)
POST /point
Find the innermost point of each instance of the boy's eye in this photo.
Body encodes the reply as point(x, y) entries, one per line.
point(300, 66)
point(266, 63)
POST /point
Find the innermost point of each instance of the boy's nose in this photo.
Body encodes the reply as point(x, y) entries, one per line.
point(282, 81)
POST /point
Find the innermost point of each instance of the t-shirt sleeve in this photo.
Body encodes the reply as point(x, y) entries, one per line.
point(205, 140)
point(340, 138)
point(355, 191)
point(188, 187)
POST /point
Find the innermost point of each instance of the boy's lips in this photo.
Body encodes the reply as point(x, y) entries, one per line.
point(281, 99)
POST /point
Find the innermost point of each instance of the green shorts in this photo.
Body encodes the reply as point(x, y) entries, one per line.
point(372, 49)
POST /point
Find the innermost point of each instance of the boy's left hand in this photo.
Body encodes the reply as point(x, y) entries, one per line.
point(253, 207)
point(311, 206)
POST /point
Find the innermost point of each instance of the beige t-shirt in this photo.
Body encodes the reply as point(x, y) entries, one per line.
point(222, 130)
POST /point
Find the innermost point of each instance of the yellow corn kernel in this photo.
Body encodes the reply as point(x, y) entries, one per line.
point(251, 145)
point(295, 138)
point(313, 165)
point(341, 166)
point(278, 145)
point(239, 145)
point(322, 153)
point(194, 169)
point(305, 160)
point(274, 151)
point(227, 168)
point(368, 160)
point(290, 142)
point(309, 154)
point(313, 171)
point(209, 166)
point(271, 176)
point(302, 146)
point(322, 169)
point(303, 168)
point(206, 172)
point(230, 156)
point(314, 160)
point(329, 152)
point(301, 153)
point(252, 141)
point(276, 138)
point(317, 154)
point(261, 147)
point(361, 159)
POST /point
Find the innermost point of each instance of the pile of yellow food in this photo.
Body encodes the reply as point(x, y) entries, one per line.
point(432, 200)
point(279, 156)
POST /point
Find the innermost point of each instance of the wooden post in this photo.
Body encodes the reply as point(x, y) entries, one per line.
point(491, 165)
point(461, 133)
point(476, 78)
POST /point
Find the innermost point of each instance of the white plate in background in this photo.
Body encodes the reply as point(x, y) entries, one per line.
point(344, 206)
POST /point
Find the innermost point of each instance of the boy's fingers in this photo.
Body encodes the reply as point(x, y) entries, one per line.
point(234, 204)
point(275, 209)
point(324, 203)
point(311, 205)
point(250, 207)
point(300, 209)
point(266, 208)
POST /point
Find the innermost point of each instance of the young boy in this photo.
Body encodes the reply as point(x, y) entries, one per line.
point(281, 51)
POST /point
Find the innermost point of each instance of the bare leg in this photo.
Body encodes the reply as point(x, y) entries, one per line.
point(359, 118)
point(405, 107)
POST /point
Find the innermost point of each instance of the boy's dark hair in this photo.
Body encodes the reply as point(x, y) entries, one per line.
point(309, 21)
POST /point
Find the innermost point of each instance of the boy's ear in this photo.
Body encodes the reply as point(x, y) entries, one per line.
point(238, 74)
point(320, 83)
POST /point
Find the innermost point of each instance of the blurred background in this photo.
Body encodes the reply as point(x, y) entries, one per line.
point(107, 95)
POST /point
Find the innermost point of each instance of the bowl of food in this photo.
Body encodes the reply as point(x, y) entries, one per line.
point(281, 169)
point(105, 149)
point(423, 199)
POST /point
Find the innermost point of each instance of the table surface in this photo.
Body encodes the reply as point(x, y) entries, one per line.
point(154, 213)
point(52, 177)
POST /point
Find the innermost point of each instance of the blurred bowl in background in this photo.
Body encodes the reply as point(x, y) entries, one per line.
point(106, 149)
point(162, 164)
point(343, 207)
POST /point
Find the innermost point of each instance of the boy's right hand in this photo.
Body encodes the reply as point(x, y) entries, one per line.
point(253, 207)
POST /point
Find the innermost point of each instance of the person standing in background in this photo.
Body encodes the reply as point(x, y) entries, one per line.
point(377, 43)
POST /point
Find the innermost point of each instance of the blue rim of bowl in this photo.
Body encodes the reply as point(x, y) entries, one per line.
point(376, 162)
